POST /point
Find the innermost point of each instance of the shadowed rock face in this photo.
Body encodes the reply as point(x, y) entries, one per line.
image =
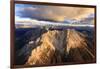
point(56, 46)
point(26, 44)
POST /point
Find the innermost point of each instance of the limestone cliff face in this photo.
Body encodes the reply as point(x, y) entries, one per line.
point(56, 46)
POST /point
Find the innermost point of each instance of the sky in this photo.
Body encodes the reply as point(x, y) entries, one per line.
point(50, 13)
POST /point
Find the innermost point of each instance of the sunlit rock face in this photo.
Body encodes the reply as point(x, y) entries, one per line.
point(50, 50)
point(61, 47)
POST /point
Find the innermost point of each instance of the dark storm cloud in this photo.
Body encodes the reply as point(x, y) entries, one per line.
point(52, 13)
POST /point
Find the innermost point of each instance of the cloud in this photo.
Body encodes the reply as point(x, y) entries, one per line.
point(51, 13)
